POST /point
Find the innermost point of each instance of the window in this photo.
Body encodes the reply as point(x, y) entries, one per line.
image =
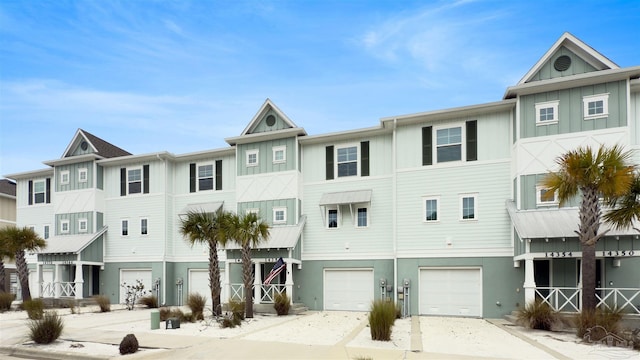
point(64, 226)
point(125, 228)
point(64, 177)
point(82, 225)
point(252, 211)
point(39, 192)
point(252, 157)
point(431, 209)
point(205, 177)
point(46, 232)
point(134, 179)
point(82, 175)
point(279, 154)
point(363, 220)
point(332, 218)
point(143, 227)
point(468, 207)
point(547, 113)
point(449, 144)
point(279, 215)
point(596, 106)
point(545, 197)
point(347, 161)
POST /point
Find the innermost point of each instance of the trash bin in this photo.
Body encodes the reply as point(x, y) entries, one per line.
point(172, 323)
point(155, 319)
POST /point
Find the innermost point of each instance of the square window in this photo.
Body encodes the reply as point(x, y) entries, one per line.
point(596, 106)
point(135, 181)
point(252, 157)
point(545, 197)
point(279, 154)
point(143, 227)
point(39, 192)
point(363, 220)
point(82, 225)
point(82, 175)
point(468, 208)
point(64, 226)
point(125, 227)
point(449, 144)
point(347, 161)
point(431, 209)
point(205, 177)
point(332, 218)
point(64, 177)
point(279, 215)
point(547, 113)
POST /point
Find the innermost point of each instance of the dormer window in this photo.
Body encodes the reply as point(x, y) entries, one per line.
point(595, 106)
point(547, 113)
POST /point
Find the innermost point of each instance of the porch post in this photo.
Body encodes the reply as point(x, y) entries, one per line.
point(39, 275)
point(57, 282)
point(289, 280)
point(226, 283)
point(79, 280)
point(529, 282)
point(257, 284)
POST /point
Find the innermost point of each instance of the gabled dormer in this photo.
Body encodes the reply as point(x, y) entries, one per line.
point(568, 56)
point(85, 143)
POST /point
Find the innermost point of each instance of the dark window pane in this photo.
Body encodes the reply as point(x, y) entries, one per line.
point(135, 187)
point(205, 184)
point(348, 169)
point(449, 153)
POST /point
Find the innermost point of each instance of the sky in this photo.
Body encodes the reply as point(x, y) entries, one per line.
point(181, 76)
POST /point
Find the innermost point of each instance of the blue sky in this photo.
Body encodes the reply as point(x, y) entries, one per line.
point(181, 76)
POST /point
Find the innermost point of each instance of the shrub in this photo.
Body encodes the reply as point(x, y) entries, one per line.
point(132, 293)
point(237, 309)
point(34, 308)
point(607, 318)
point(381, 318)
point(103, 302)
point(282, 304)
point(165, 313)
point(5, 301)
point(538, 315)
point(47, 329)
point(196, 303)
point(150, 301)
point(71, 304)
point(129, 344)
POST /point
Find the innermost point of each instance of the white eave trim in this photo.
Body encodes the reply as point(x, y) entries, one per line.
point(267, 135)
point(206, 154)
point(342, 135)
point(30, 174)
point(261, 112)
point(451, 113)
point(73, 159)
point(136, 158)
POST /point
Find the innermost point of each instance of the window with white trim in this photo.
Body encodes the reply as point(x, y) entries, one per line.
point(64, 226)
point(252, 157)
point(46, 232)
point(595, 106)
point(124, 228)
point(82, 225)
point(332, 218)
point(279, 215)
point(134, 180)
point(468, 207)
point(347, 160)
point(546, 197)
point(252, 211)
point(82, 175)
point(279, 154)
point(205, 177)
point(144, 228)
point(39, 192)
point(64, 177)
point(431, 209)
point(449, 144)
point(362, 214)
point(547, 112)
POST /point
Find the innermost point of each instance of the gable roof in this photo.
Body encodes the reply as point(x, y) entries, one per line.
point(7, 187)
point(577, 46)
point(266, 106)
point(99, 146)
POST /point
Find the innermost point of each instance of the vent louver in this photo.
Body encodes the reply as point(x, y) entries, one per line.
point(562, 63)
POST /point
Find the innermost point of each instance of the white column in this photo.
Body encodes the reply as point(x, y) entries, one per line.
point(529, 282)
point(39, 275)
point(257, 282)
point(227, 283)
point(57, 282)
point(289, 280)
point(79, 280)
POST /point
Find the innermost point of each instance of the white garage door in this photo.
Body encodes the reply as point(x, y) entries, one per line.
point(131, 276)
point(348, 290)
point(199, 283)
point(453, 292)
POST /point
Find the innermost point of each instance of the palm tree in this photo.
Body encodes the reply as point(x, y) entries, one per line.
point(5, 251)
point(593, 175)
point(18, 241)
point(248, 231)
point(201, 227)
point(626, 208)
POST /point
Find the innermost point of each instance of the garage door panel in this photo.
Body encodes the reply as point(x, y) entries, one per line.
point(453, 292)
point(348, 290)
point(199, 283)
point(130, 277)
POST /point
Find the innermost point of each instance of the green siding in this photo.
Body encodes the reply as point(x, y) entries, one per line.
point(110, 277)
point(578, 66)
point(265, 157)
point(100, 177)
point(50, 258)
point(262, 126)
point(93, 252)
point(528, 185)
point(74, 183)
point(73, 222)
point(265, 209)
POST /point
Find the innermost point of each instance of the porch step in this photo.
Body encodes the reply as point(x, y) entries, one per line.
point(295, 309)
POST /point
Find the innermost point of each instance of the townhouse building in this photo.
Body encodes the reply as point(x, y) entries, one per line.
point(8, 218)
point(441, 211)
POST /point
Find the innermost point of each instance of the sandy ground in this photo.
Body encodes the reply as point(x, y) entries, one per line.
point(461, 336)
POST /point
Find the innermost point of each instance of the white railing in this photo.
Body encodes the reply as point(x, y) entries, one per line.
point(569, 299)
point(61, 289)
point(268, 292)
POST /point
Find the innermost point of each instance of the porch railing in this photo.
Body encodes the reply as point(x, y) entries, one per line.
point(65, 289)
point(569, 299)
point(268, 292)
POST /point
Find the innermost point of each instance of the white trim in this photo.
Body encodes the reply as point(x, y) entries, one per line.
point(479, 300)
point(275, 150)
point(463, 142)
point(86, 225)
point(336, 162)
point(128, 170)
point(63, 174)
point(86, 175)
point(44, 191)
point(475, 206)
point(213, 175)
point(546, 105)
point(357, 216)
point(332, 208)
point(46, 231)
point(252, 211)
point(284, 211)
point(424, 209)
point(147, 226)
point(540, 202)
point(594, 98)
point(62, 224)
point(248, 154)
point(122, 222)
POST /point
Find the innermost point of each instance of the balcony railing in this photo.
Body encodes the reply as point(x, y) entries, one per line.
point(63, 289)
point(267, 292)
point(569, 299)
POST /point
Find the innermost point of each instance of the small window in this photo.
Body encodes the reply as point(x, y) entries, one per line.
point(39, 192)
point(135, 181)
point(347, 161)
point(468, 207)
point(545, 197)
point(449, 144)
point(431, 209)
point(82, 175)
point(205, 177)
point(279, 154)
point(46, 232)
point(125, 228)
point(363, 219)
point(252, 211)
point(279, 215)
point(143, 227)
point(82, 225)
point(252, 157)
point(64, 177)
point(64, 226)
point(547, 113)
point(596, 106)
point(332, 218)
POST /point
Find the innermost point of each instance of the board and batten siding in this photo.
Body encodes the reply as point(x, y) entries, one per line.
point(488, 181)
point(265, 157)
point(493, 138)
point(578, 66)
point(74, 182)
point(265, 209)
point(74, 219)
point(570, 110)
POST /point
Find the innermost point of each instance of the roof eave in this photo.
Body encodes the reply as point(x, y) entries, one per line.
point(163, 155)
point(345, 135)
point(30, 174)
point(267, 135)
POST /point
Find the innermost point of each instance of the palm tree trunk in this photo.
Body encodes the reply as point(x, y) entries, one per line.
point(590, 223)
point(247, 279)
point(214, 278)
point(23, 275)
point(2, 276)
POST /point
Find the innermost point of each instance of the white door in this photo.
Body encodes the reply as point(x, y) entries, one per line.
point(199, 283)
point(130, 277)
point(349, 290)
point(451, 292)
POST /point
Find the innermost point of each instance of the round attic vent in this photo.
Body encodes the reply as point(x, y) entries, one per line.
point(84, 145)
point(562, 63)
point(271, 120)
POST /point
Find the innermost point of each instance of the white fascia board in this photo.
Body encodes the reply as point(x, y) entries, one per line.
point(349, 134)
point(73, 159)
point(164, 155)
point(258, 116)
point(206, 154)
point(30, 174)
point(263, 136)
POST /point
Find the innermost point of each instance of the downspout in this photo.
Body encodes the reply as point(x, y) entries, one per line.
point(163, 282)
point(393, 210)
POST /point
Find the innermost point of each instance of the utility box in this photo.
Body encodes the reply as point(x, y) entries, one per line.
point(172, 323)
point(155, 319)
